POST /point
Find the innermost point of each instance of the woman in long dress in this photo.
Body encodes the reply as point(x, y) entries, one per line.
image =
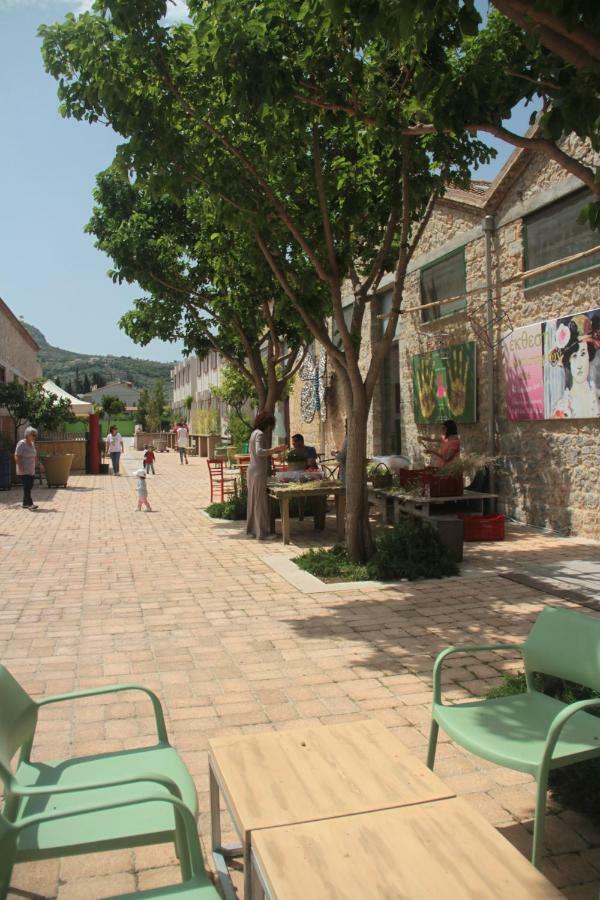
point(258, 519)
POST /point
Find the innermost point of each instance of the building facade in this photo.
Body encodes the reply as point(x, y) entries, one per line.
point(18, 359)
point(122, 390)
point(504, 354)
point(195, 378)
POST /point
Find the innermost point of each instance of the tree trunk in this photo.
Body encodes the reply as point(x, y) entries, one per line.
point(359, 541)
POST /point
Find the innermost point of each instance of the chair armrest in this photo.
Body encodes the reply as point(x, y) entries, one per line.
point(152, 777)
point(558, 723)
point(463, 648)
point(161, 727)
point(179, 807)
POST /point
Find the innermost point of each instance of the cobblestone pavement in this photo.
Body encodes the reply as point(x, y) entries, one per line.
point(93, 593)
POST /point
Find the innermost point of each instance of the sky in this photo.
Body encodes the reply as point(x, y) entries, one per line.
point(50, 271)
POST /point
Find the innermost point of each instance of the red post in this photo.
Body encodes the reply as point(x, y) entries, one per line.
point(94, 432)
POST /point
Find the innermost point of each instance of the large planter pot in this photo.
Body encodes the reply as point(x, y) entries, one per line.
point(57, 469)
point(5, 472)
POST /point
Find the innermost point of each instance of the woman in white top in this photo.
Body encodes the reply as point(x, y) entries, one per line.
point(257, 518)
point(114, 447)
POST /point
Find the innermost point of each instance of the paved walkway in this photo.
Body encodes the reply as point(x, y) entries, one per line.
point(95, 593)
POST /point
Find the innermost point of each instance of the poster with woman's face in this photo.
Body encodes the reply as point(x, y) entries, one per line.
point(552, 369)
point(571, 373)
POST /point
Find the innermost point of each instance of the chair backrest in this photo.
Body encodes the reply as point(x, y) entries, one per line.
point(565, 644)
point(215, 468)
point(18, 718)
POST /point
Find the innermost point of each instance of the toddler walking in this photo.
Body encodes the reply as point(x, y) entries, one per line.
point(142, 490)
point(149, 458)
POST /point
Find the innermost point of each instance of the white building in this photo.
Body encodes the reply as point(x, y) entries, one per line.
point(195, 378)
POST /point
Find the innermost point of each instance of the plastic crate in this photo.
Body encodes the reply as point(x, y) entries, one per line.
point(483, 528)
point(411, 478)
point(446, 486)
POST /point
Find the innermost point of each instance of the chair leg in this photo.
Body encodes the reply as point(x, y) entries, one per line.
point(433, 736)
point(182, 849)
point(539, 821)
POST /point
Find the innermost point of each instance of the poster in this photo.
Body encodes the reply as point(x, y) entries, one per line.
point(552, 368)
point(445, 384)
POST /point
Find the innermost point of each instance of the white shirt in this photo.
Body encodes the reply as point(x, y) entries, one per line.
point(182, 437)
point(114, 442)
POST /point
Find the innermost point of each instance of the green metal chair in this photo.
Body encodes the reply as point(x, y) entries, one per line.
point(196, 887)
point(56, 787)
point(531, 732)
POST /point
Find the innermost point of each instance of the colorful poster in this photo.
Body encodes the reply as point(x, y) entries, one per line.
point(524, 373)
point(445, 384)
point(552, 369)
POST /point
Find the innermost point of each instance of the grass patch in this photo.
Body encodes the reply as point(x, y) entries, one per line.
point(575, 787)
point(412, 549)
point(234, 508)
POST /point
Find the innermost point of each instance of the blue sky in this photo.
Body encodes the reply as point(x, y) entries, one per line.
point(50, 271)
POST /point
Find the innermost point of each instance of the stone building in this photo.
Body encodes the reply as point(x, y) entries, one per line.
point(18, 358)
point(475, 252)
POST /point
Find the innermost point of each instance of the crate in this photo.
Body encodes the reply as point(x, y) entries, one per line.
point(414, 478)
point(483, 528)
point(446, 485)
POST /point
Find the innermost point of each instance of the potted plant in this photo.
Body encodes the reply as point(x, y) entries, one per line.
point(296, 461)
point(57, 467)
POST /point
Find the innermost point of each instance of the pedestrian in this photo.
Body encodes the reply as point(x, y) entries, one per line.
point(182, 443)
point(25, 457)
point(257, 517)
point(149, 459)
point(114, 447)
point(141, 488)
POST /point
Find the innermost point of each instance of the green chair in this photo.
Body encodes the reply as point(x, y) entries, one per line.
point(196, 887)
point(531, 732)
point(38, 788)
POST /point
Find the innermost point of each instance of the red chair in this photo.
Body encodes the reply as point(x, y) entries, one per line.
point(221, 484)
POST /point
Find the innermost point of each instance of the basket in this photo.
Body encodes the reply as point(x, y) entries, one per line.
point(483, 528)
point(381, 479)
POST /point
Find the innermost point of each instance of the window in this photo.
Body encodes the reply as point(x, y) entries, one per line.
point(336, 336)
point(553, 233)
point(385, 305)
point(447, 277)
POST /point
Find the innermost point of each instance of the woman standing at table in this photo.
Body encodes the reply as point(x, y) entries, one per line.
point(257, 518)
point(449, 447)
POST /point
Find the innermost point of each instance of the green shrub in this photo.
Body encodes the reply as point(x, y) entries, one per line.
point(412, 549)
point(332, 565)
point(575, 787)
point(234, 508)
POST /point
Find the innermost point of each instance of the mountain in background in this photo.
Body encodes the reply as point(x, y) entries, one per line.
point(82, 370)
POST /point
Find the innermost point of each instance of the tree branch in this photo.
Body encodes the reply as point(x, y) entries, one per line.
point(576, 45)
point(379, 260)
point(322, 195)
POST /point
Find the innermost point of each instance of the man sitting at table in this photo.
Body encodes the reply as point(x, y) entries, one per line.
point(300, 447)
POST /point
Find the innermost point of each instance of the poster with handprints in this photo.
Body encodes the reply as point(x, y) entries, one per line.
point(445, 384)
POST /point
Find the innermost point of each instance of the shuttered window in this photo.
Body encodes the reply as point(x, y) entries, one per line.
point(444, 278)
point(553, 233)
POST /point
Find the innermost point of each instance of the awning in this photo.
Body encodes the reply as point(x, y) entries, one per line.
point(79, 407)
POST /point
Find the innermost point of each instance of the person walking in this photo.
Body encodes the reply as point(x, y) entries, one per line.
point(141, 489)
point(182, 443)
point(149, 458)
point(25, 457)
point(257, 519)
point(114, 447)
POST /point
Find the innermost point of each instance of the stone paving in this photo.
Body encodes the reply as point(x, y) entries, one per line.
point(93, 592)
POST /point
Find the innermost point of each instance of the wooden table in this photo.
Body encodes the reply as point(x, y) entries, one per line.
point(321, 489)
point(286, 777)
point(422, 506)
point(443, 849)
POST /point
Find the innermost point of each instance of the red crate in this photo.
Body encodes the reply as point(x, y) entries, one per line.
point(483, 528)
point(411, 478)
point(446, 485)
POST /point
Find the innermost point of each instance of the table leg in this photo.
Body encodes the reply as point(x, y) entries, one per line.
point(284, 505)
point(220, 852)
point(319, 512)
point(259, 891)
point(340, 515)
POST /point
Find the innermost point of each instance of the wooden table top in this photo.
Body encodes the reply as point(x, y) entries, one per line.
point(443, 849)
point(302, 774)
point(418, 498)
point(320, 486)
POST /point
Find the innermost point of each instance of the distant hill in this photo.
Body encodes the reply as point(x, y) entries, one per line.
point(69, 367)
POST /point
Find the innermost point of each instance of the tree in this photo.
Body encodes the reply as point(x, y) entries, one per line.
point(30, 403)
point(188, 405)
point(86, 385)
point(156, 409)
point(237, 392)
point(207, 284)
point(328, 200)
point(110, 406)
point(142, 411)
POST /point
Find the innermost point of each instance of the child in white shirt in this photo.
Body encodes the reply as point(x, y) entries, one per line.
point(141, 489)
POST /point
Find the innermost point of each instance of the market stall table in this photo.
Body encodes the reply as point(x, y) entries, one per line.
point(420, 505)
point(317, 491)
point(438, 849)
point(303, 774)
